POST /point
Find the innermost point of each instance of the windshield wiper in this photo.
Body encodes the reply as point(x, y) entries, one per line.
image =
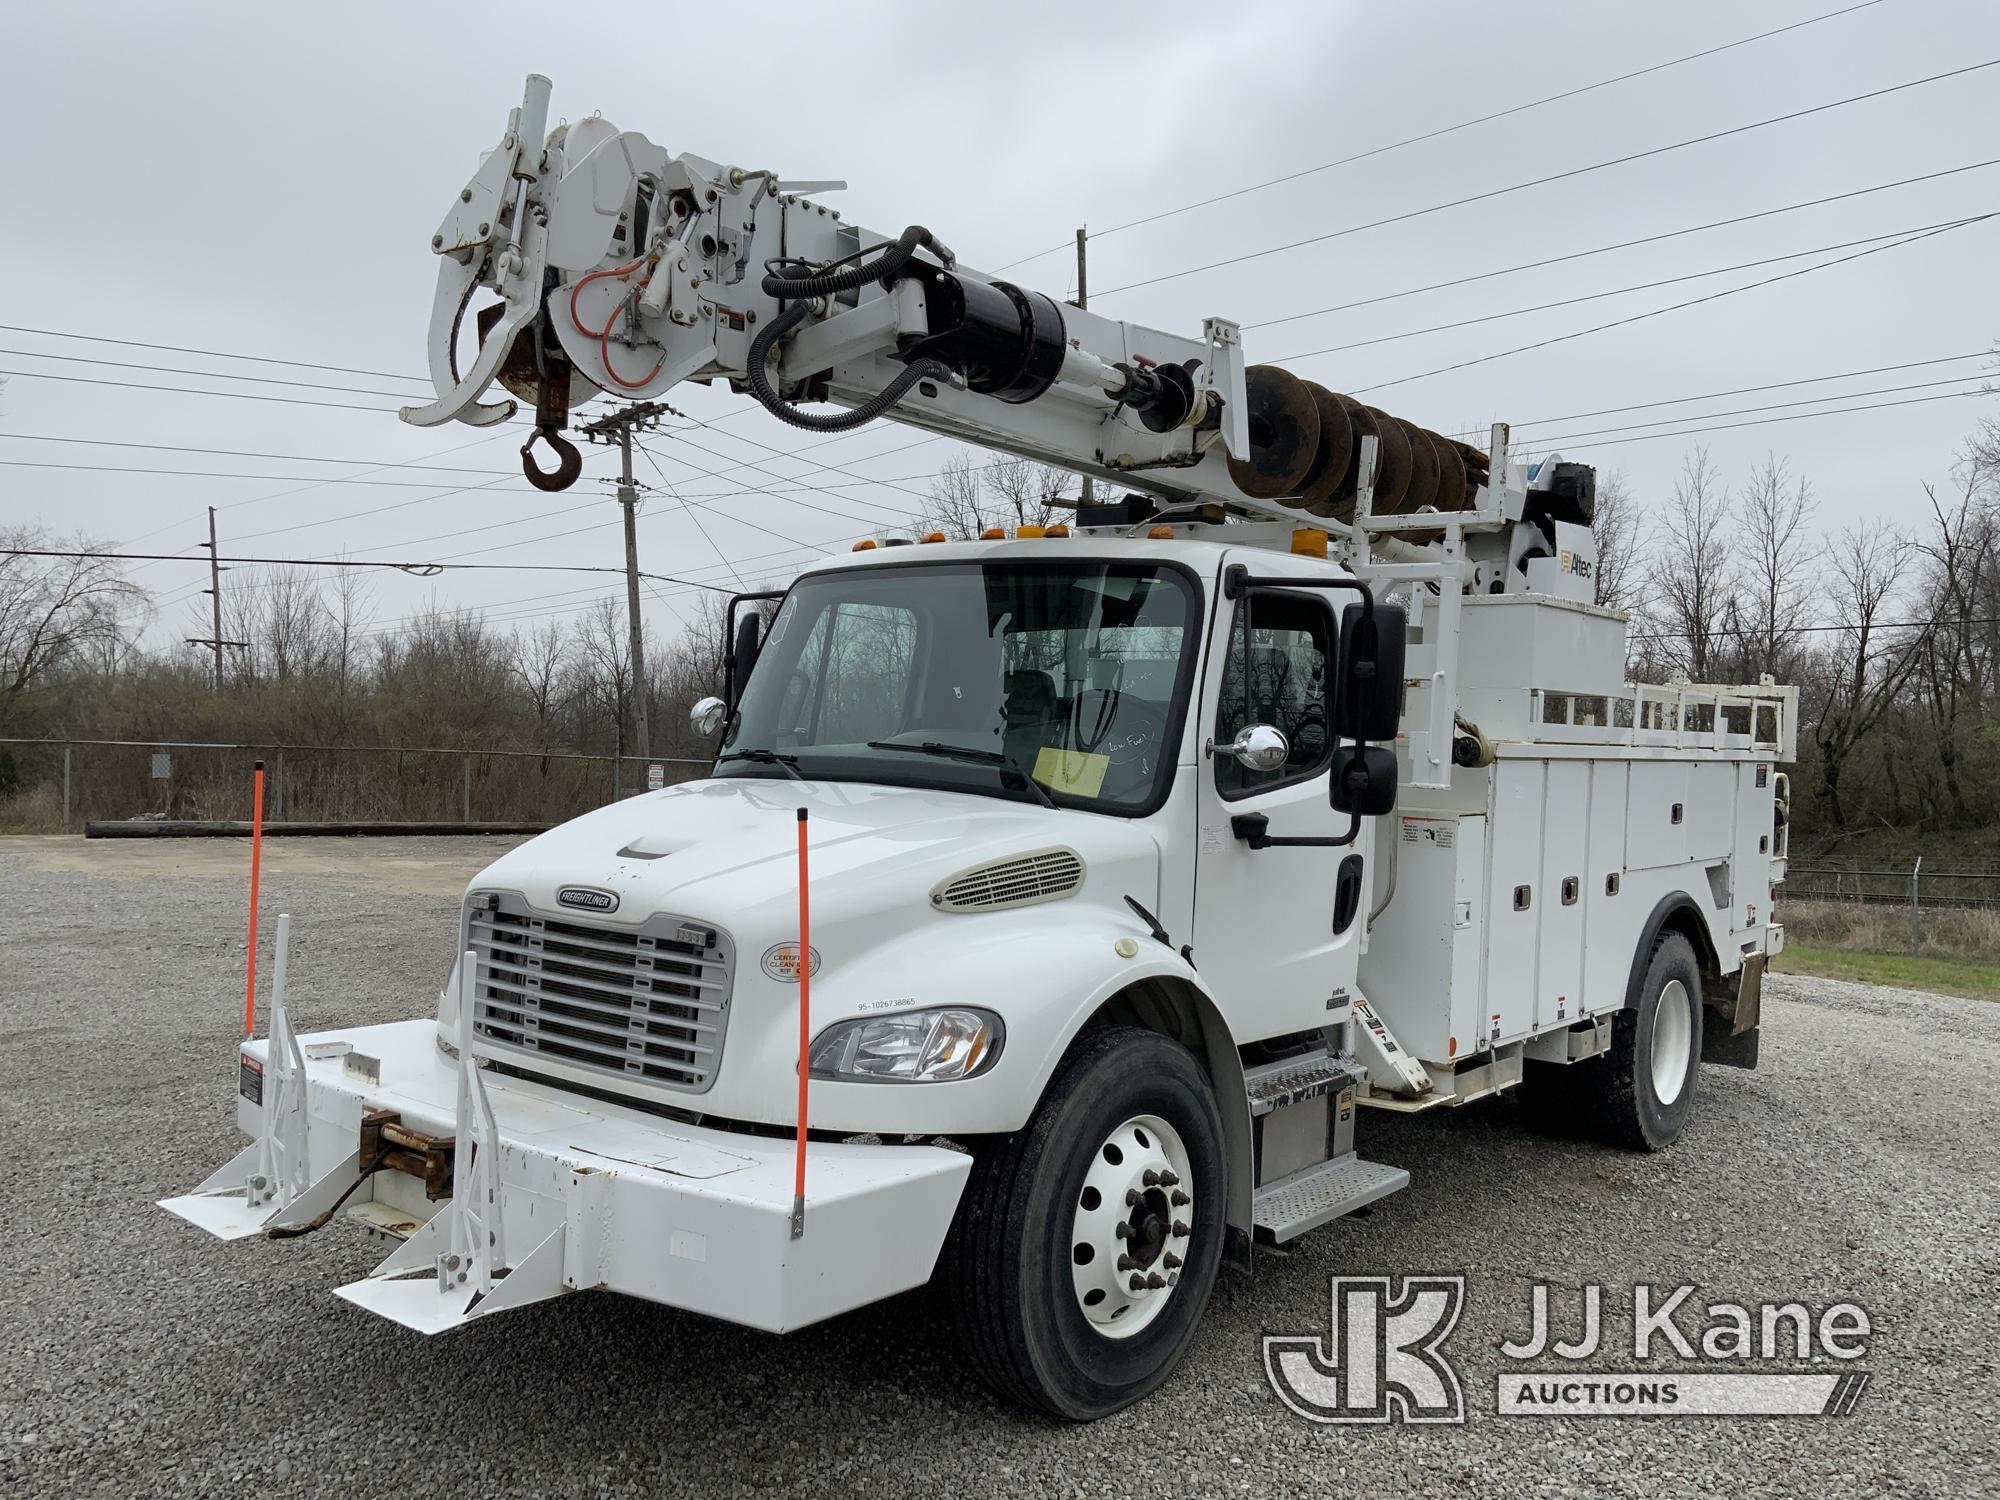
point(789, 764)
point(974, 755)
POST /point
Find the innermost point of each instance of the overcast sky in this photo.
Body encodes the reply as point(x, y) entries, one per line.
point(264, 181)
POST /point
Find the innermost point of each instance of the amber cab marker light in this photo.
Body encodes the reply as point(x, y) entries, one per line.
point(867, 544)
point(1161, 534)
point(993, 534)
point(1059, 529)
point(1309, 541)
point(1029, 533)
point(931, 536)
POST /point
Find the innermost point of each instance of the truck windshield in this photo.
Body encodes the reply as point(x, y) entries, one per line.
point(977, 677)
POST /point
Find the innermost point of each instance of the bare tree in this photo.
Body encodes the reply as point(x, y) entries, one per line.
point(1614, 526)
point(1776, 600)
point(1863, 666)
point(1031, 491)
point(1689, 579)
point(1958, 552)
point(54, 609)
point(967, 498)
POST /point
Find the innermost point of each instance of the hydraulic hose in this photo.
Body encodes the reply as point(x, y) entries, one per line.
point(780, 328)
point(830, 283)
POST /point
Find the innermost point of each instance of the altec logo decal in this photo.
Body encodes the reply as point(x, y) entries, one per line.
point(585, 899)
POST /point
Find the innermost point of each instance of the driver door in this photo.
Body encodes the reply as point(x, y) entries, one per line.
point(1264, 918)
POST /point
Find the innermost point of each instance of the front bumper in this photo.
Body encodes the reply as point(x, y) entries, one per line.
point(592, 1195)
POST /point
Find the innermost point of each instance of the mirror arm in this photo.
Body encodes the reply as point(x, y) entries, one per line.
point(1252, 829)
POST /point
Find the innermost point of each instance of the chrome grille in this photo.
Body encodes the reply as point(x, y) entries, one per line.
point(645, 1003)
point(1019, 880)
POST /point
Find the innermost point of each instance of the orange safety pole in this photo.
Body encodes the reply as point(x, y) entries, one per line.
point(805, 1037)
point(256, 869)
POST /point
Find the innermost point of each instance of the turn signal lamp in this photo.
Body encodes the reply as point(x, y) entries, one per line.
point(1309, 542)
point(867, 544)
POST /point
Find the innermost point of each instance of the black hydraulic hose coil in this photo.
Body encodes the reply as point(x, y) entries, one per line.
point(830, 283)
point(780, 327)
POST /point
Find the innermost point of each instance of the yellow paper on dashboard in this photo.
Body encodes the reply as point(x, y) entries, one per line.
point(1078, 772)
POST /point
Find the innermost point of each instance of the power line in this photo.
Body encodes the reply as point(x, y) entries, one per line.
point(303, 458)
point(1746, 390)
point(416, 569)
point(1620, 291)
point(262, 359)
point(117, 364)
point(1673, 307)
point(1887, 390)
point(1500, 192)
point(1545, 445)
point(1431, 135)
point(181, 390)
point(1650, 239)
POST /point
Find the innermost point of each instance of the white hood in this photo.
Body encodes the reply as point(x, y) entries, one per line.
point(724, 853)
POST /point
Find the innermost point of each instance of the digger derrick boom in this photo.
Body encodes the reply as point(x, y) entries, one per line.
point(624, 269)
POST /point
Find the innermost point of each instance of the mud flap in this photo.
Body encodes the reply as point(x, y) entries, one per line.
point(1718, 1045)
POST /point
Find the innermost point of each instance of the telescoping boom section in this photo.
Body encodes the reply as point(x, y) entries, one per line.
point(1058, 902)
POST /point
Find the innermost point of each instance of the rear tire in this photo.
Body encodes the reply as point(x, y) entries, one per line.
point(1032, 1268)
point(1644, 1091)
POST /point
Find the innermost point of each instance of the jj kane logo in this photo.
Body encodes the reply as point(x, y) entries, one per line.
point(1383, 1359)
point(585, 899)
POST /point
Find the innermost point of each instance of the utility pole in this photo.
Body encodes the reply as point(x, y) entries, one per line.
point(618, 427)
point(1083, 301)
point(214, 642)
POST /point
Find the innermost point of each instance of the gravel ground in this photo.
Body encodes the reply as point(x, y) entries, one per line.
point(140, 1357)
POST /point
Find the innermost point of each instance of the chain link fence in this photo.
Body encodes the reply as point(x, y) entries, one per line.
point(58, 785)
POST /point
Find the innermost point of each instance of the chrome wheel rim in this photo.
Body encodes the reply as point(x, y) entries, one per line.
point(1131, 1227)
point(1673, 1039)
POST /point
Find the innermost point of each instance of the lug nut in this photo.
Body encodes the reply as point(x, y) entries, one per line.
point(1170, 1179)
point(1137, 1283)
point(1126, 1263)
point(1179, 1199)
point(1181, 1231)
point(1132, 1197)
point(1152, 1178)
point(1155, 1282)
point(1123, 1231)
point(1172, 1261)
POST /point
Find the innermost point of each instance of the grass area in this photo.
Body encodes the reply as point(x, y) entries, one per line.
point(1974, 977)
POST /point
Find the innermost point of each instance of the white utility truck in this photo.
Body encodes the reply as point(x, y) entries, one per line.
point(1300, 776)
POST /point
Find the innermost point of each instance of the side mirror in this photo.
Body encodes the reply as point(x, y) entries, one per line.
point(707, 715)
point(742, 657)
point(1257, 747)
point(1368, 694)
point(1363, 781)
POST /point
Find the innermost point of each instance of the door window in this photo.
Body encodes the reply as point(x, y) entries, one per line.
point(1276, 674)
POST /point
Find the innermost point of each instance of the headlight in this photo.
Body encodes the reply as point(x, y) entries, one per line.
point(912, 1046)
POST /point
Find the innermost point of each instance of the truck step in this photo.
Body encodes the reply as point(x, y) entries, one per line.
point(1287, 1208)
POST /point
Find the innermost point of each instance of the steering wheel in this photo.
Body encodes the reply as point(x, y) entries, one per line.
point(1126, 730)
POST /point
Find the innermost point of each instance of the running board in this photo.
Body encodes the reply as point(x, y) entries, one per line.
point(1287, 1208)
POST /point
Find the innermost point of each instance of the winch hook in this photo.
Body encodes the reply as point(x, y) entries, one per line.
point(569, 462)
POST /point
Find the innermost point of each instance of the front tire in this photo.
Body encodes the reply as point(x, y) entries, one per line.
point(1086, 1245)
